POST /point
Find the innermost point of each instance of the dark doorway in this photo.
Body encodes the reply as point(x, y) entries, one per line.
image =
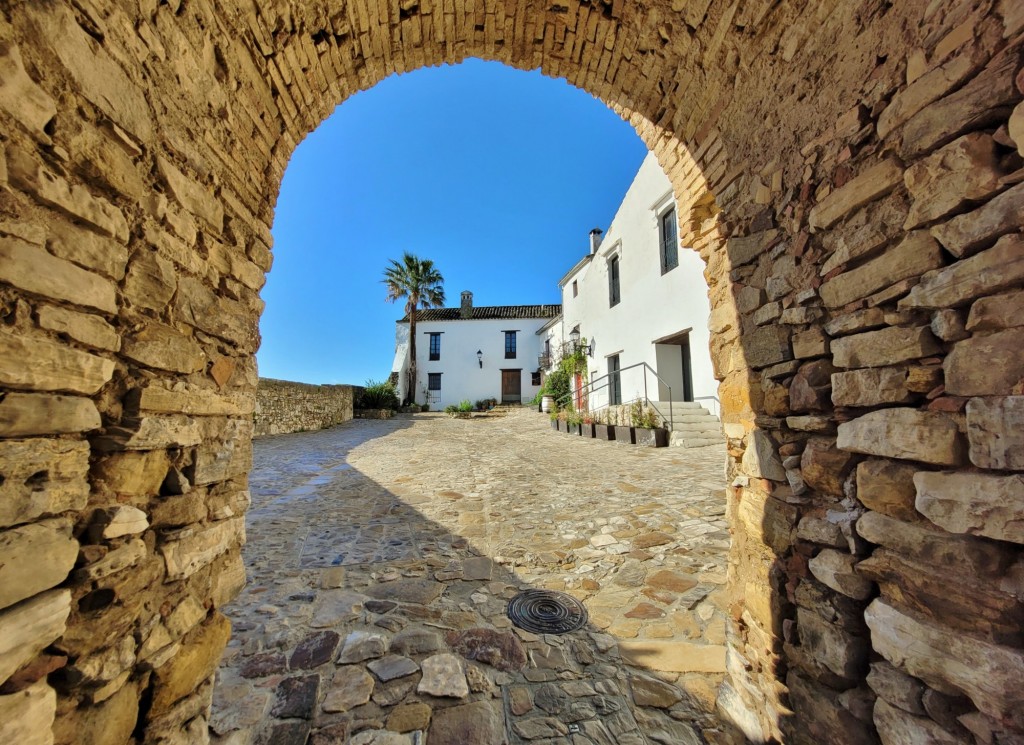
point(614, 380)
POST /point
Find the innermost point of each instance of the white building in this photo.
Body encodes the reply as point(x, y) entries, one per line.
point(638, 297)
point(473, 353)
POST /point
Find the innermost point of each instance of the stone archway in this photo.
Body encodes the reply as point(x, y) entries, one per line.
point(849, 172)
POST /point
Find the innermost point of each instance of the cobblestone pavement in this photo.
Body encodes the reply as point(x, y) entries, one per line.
point(381, 556)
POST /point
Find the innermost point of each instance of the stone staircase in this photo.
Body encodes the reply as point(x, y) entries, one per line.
point(693, 425)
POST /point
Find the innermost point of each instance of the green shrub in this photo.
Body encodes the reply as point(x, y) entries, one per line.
point(377, 395)
point(465, 405)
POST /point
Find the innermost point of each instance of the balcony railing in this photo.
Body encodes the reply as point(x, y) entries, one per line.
point(544, 361)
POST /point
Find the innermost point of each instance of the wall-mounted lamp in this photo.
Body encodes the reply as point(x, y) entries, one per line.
point(574, 337)
point(480, 358)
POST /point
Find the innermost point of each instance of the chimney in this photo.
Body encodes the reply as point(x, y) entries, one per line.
point(467, 304)
point(595, 240)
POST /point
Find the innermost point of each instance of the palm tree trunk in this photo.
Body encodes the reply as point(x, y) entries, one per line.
point(411, 397)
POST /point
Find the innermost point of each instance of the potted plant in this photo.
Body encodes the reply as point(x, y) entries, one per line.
point(575, 421)
point(563, 421)
point(587, 425)
point(553, 416)
point(624, 432)
point(602, 429)
point(647, 433)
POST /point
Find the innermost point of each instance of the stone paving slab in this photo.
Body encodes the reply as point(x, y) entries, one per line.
point(381, 557)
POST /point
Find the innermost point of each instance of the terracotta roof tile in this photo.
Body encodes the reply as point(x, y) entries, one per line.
point(487, 312)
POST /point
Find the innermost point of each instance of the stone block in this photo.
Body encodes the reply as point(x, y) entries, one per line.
point(843, 653)
point(767, 345)
point(74, 200)
point(1015, 127)
point(478, 723)
point(984, 100)
point(110, 722)
point(896, 687)
point(41, 478)
point(34, 558)
point(884, 347)
point(26, 629)
point(122, 520)
point(997, 313)
point(874, 182)
point(810, 343)
point(86, 248)
point(835, 569)
point(150, 433)
point(927, 88)
point(150, 280)
point(913, 256)
point(39, 364)
point(999, 268)
point(88, 329)
point(678, 657)
point(904, 433)
point(133, 473)
point(824, 466)
point(820, 718)
point(193, 196)
point(230, 455)
point(24, 414)
point(747, 248)
point(969, 233)
point(129, 555)
point(858, 320)
point(811, 387)
point(164, 348)
point(989, 365)
point(761, 458)
point(948, 324)
point(871, 387)
point(196, 547)
point(26, 717)
point(973, 503)
point(897, 727)
point(32, 269)
point(95, 73)
point(951, 662)
point(20, 97)
point(963, 172)
point(995, 432)
point(887, 486)
point(198, 659)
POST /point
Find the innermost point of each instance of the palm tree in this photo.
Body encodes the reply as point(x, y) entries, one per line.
point(421, 285)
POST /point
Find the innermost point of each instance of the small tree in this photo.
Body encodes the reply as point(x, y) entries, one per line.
point(422, 286)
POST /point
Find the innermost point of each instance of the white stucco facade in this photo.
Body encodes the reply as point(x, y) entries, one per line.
point(659, 314)
point(462, 376)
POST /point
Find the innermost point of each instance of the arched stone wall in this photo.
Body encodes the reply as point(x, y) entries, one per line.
point(849, 171)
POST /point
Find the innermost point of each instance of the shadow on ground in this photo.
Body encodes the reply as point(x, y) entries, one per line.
point(366, 622)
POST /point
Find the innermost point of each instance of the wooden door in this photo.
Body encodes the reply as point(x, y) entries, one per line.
point(511, 386)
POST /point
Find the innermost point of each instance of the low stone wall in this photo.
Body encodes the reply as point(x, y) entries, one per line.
point(283, 406)
point(374, 413)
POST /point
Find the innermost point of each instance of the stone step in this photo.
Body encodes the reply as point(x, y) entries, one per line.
point(699, 429)
point(685, 440)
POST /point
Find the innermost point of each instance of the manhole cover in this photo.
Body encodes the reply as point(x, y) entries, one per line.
point(546, 612)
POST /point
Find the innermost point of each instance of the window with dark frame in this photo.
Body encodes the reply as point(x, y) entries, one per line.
point(669, 237)
point(435, 347)
point(575, 288)
point(615, 394)
point(433, 381)
point(613, 282)
point(510, 345)
point(535, 378)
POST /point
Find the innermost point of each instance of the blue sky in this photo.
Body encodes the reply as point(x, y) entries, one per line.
point(496, 174)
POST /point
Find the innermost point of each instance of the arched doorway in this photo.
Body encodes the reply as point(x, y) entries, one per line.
point(846, 172)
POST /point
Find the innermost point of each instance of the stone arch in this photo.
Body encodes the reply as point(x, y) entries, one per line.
point(848, 171)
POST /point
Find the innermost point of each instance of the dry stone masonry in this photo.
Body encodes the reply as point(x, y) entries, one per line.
point(851, 172)
point(283, 406)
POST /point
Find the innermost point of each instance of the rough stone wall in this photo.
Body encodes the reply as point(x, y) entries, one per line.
point(849, 171)
point(283, 406)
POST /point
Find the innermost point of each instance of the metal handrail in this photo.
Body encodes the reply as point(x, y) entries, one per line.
point(591, 387)
point(710, 398)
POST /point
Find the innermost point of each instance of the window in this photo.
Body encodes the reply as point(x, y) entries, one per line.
point(575, 288)
point(613, 282)
point(669, 235)
point(433, 381)
point(615, 394)
point(510, 345)
point(435, 346)
point(547, 348)
point(535, 378)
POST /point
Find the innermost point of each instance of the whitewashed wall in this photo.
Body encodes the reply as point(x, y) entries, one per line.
point(462, 377)
point(652, 305)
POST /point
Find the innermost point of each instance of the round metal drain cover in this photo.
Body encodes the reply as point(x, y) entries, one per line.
point(547, 612)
